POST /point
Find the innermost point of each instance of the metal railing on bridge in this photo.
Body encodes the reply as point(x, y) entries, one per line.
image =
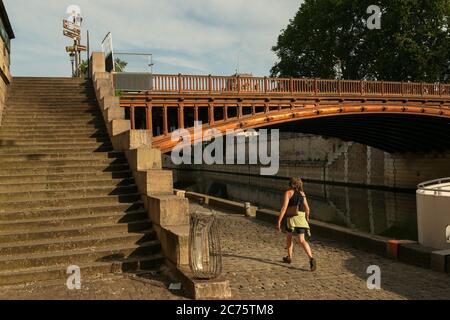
point(173, 102)
point(200, 84)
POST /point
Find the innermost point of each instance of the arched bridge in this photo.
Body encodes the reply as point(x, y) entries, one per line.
point(391, 116)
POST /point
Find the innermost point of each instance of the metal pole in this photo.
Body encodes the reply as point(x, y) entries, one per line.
point(88, 57)
point(75, 74)
point(73, 71)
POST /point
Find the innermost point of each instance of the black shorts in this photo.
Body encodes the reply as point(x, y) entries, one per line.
point(298, 231)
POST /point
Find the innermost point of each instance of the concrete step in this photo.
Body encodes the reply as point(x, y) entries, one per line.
point(24, 136)
point(16, 81)
point(13, 121)
point(57, 126)
point(69, 202)
point(52, 87)
point(49, 273)
point(54, 245)
point(52, 149)
point(19, 84)
point(50, 145)
point(66, 194)
point(9, 141)
point(52, 112)
point(46, 158)
point(36, 91)
point(63, 212)
point(7, 186)
point(52, 122)
point(66, 104)
point(52, 132)
point(49, 102)
point(61, 128)
point(49, 87)
point(61, 106)
point(65, 197)
point(45, 179)
point(49, 90)
point(43, 91)
point(9, 118)
point(55, 114)
point(57, 108)
point(37, 225)
point(62, 96)
point(43, 94)
point(50, 79)
point(59, 233)
point(79, 256)
point(74, 167)
point(85, 85)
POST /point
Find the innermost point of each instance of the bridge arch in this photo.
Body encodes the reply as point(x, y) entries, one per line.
point(394, 117)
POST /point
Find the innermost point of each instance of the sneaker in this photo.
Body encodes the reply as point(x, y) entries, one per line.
point(313, 264)
point(287, 260)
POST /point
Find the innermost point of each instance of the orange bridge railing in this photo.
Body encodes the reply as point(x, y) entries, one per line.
point(185, 84)
point(178, 101)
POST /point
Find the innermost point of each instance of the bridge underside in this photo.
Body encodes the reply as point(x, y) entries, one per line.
point(389, 123)
point(387, 132)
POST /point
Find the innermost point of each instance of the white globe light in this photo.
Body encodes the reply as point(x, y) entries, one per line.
point(73, 10)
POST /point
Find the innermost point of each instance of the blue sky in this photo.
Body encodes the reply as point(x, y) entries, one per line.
point(185, 36)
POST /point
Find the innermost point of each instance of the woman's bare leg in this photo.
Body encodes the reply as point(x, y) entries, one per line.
point(305, 246)
point(290, 245)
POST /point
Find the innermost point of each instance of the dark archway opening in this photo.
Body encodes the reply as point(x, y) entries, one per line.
point(388, 132)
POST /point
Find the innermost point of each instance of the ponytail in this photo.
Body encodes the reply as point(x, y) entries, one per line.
point(297, 185)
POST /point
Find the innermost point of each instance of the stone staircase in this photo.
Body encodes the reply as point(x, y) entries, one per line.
point(66, 198)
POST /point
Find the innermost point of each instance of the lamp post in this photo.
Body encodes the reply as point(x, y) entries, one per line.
point(72, 30)
point(72, 60)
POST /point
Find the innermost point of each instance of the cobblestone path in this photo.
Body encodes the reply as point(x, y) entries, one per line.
point(252, 262)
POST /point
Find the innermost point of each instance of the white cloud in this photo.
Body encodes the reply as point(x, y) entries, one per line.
point(196, 35)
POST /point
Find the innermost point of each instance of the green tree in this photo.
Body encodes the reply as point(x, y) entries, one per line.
point(83, 67)
point(120, 65)
point(329, 38)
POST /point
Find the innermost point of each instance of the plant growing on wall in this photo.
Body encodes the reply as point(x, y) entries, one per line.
point(120, 65)
point(83, 68)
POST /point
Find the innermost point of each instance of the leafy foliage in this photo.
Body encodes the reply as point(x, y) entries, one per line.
point(120, 65)
point(83, 67)
point(330, 39)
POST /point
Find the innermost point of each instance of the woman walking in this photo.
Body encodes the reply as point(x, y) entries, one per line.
point(297, 211)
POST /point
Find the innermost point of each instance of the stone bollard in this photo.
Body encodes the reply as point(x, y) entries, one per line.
point(181, 194)
point(248, 209)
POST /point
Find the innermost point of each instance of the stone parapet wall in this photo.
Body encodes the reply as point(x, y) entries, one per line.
point(5, 77)
point(168, 213)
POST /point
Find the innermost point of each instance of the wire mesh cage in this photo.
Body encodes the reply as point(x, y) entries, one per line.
point(205, 256)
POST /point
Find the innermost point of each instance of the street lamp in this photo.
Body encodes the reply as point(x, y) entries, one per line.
point(72, 30)
point(72, 60)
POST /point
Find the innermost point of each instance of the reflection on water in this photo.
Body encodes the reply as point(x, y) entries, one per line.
point(380, 212)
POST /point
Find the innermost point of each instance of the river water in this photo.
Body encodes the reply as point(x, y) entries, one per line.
point(376, 211)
